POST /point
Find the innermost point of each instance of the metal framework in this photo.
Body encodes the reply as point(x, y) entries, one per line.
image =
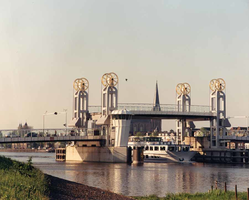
point(109, 103)
point(81, 111)
point(217, 106)
point(109, 93)
point(183, 105)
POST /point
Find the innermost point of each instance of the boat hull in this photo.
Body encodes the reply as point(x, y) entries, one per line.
point(169, 156)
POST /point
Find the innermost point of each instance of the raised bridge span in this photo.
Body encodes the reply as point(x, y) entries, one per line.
point(166, 111)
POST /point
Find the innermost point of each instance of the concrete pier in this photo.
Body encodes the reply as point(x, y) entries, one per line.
point(96, 154)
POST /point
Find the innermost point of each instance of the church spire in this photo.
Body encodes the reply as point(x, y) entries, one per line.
point(156, 105)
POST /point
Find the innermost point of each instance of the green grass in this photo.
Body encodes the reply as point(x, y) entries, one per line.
point(21, 180)
point(215, 195)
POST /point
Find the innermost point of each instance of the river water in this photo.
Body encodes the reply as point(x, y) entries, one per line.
point(147, 179)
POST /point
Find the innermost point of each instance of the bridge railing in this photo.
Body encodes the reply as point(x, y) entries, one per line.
point(149, 107)
point(238, 133)
point(29, 133)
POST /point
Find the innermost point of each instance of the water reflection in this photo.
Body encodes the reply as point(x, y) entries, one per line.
point(150, 178)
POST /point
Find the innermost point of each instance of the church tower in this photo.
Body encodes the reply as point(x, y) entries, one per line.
point(157, 123)
point(156, 104)
point(148, 125)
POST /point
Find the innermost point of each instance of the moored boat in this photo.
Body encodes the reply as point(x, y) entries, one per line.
point(156, 150)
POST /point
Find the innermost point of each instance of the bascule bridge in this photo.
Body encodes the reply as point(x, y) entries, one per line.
point(103, 133)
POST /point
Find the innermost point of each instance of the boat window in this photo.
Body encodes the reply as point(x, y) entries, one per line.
point(162, 148)
point(171, 148)
point(156, 148)
point(146, 148)
point(151, 148)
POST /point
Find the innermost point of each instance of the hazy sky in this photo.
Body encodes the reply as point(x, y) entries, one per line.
point(46, 44)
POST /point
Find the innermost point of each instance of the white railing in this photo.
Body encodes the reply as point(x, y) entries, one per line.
point(149, 107)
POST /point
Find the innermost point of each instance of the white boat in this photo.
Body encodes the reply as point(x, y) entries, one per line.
point(156, 150)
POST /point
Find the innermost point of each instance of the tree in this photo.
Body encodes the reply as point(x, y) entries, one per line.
point(139, 134)
point(203, 130)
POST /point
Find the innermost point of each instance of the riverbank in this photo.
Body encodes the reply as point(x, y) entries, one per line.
point(67, 190)
point(24, 150)
point(21, 180)
point(215, 195)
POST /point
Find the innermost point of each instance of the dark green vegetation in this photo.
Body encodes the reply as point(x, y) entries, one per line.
point(215, 195)
point(21, 180)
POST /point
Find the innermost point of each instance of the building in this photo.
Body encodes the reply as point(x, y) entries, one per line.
point(168, 136)
point(148, 125)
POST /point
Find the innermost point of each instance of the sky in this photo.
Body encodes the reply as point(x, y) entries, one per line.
point(45, 45)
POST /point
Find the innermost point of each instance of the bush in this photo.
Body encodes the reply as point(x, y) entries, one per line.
point(21, 180)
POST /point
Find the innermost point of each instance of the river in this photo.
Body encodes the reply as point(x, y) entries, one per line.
point(147, 179)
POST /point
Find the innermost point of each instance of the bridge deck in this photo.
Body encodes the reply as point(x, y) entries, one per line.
point(166, 111)
point(51, 139)
point(235, 138)
point(172, 115)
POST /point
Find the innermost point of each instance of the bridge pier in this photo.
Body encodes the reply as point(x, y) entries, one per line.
point(97, 154)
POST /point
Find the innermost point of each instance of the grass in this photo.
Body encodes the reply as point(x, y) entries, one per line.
point(215, 195)
point(21, 180)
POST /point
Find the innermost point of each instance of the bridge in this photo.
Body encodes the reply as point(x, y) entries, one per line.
point(166, 111)
point(244, 139)
point(49, 135)
point(136, 110)
point(52, 139)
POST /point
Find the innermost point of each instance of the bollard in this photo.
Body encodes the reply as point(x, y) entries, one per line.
point(236, 194)
point(216, 185)
point(225, 187)
point(247, 193)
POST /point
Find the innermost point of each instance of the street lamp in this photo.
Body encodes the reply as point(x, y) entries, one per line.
point(55, 113)
point(43, 120)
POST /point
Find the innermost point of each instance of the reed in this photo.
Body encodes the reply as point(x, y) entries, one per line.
point(21, 180)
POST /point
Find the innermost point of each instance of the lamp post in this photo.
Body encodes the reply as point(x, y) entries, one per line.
point(55, 113)
point(65, 112)
point(43, 121)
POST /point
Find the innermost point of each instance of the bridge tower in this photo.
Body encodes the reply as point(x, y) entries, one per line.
point(80, 115)
point(217, 106)
point(109, 93)
point(183, 105)
point(108, 104)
